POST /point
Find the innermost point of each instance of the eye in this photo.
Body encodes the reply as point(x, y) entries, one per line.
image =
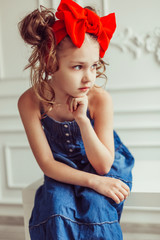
point(94, 66)
point(77, 67)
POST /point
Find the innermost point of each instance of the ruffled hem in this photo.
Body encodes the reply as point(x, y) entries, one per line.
point(59, 227)
point(73, 221)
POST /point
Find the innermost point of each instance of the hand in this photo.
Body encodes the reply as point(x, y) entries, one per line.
point(111, 187)
point(78, 106)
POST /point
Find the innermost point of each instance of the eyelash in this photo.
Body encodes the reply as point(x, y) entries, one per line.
point(94, 66)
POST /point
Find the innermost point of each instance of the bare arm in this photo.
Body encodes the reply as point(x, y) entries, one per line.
point(30, 115)
point(98, 142)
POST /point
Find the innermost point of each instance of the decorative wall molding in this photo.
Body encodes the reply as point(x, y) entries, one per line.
point(132, 126)
point(50, 3)
point(105, 7)
point(40, 2)
point(15, 131)
point(10, 202)
point(55, 3)
point(8, 161)
point(140, 231)
point(11, 209)
point(125, 127)
point(14, 115)
point(139, 127)
point(136, 43)
point(1, 56)
point(139, 110)
point(143, 144)
point(45, 3)
point(9, 89)
point(12, 220)
point(141, 214)
point(13, 88)
point(136, 110)
point(135, 87)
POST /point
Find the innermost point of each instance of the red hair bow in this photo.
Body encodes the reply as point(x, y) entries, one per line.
point(75, 21)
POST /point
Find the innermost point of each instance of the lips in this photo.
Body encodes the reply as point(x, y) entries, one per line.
point(84, 88)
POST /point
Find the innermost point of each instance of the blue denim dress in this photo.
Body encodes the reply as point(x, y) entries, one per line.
point(69, 212)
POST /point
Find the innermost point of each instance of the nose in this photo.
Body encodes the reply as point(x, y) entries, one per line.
point(87, 77)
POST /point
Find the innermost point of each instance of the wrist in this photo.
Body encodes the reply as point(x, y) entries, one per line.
point(83, 120)
point(92, 181)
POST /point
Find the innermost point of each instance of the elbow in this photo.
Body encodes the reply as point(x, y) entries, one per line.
point(103, 171)
point(105, 168)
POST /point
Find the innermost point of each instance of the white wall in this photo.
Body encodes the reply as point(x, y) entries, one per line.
point(133, 80)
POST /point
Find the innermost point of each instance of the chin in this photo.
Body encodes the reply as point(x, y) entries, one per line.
point(82, 94)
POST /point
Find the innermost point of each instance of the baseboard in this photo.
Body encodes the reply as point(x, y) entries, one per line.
point(12, 220)
point(141, 228)
point(129, 227)
point(12, 228)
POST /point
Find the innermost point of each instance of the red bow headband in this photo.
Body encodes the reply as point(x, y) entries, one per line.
point(75, 21)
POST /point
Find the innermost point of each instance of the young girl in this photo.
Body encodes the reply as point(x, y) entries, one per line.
point(69, 124)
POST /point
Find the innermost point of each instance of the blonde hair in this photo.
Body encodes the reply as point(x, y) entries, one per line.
point(36, 30)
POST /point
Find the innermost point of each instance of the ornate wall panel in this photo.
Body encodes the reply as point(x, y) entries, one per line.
point(15, 154)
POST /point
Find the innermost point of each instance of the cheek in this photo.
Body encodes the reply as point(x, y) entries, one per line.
point(94, 76)
point(74, 77)
point(68, 77)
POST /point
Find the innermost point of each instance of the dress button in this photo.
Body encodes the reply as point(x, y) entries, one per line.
point(65, 125)
point(70, 150)
point(68, 141)
point(82, 161)
point(67, 134)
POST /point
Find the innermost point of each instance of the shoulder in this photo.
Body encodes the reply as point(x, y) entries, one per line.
point(99, 95)
point(28, 103)
point(99, 99)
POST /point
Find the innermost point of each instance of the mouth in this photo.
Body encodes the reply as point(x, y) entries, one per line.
point(84, 89)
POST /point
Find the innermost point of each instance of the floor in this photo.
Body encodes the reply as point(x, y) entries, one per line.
point(8, 232)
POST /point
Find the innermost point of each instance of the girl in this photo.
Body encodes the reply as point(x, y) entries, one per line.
point(69, 124)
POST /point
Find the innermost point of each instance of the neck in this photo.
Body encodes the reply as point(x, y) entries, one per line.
point(60, 97)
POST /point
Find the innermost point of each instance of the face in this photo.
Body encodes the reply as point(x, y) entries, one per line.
point(77, 68)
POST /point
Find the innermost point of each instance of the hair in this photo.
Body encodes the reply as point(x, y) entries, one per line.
point(36, 30)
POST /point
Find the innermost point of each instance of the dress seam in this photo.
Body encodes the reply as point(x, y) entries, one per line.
point(111, 233)
point(79, 223)
point(117, 177)
point(118, 148)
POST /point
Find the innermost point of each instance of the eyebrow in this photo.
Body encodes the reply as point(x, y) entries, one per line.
point(77, 62)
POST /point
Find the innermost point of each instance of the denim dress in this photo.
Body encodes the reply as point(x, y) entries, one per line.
point(69, 212)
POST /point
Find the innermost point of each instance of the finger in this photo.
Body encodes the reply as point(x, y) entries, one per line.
point(125, 186)
point(119, 195)
point(124, 192)
point(81, 100)
point(75, 104)
point(114, 197)
point(71, 104)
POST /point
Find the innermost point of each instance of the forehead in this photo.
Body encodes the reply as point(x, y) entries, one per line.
point(88, 52)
